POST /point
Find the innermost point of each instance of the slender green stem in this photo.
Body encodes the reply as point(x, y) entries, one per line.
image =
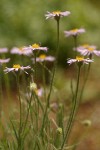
point(75, 43)
point(39, 102)
point(27, 115)
point(55, 63)
point(44, 80)
point(20, 123)
point(74, 108)
point(71, 86)
point(35, 67)
point(57, 50)
point(19, 101)
point(36, 108)
point(1, 96)
point(52, 79)
point(85, 79)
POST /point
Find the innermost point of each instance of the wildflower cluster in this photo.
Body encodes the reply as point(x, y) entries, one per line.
point(84, 50)
point(35, 102)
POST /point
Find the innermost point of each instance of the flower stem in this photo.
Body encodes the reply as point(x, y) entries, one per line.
point(27, 115)
point(75, 43)
point(52, 80)
point(35, 67)
point(55, 63)
point(75, 105)
point(20, 122)
point(57, 50)
point(85, 80)
point(1, 96)
point(44, 80)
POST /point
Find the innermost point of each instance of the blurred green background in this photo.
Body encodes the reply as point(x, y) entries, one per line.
point(22, 22)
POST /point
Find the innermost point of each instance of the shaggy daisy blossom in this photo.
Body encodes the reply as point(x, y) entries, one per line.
point(79, 59)
point(74, 32)
point(35, 47)
point(4, 60)
point(16, 68)
point(84, 46)
point(43, 57)
point(56, 14)
point(21, 51)
point(88, 50)
point(3, 50)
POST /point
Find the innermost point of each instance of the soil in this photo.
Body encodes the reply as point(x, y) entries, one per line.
point(86, 130)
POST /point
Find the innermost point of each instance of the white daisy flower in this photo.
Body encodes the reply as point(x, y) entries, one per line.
point(4, 60)
point(43, 57)
point(88, 50)
point(85, 46)
point(21, 51)
point(35, 47)
point(3, 50)
point(16, 68)
point(79, 59)
point(56, 14)
point(74, 32)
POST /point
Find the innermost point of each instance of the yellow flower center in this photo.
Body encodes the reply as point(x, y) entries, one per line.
point(16, 66)
point(35, 45)
point(21, 49)
point(56, 12)
point(86, 45)
point(79, 58)
point(74, 30)
point(42, 56)
point(90, 48)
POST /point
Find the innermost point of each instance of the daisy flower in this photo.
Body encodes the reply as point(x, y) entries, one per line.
point(35, 47)
point(84, 46)
point(74, 32)
point(43, 58)
point(88, 50)
point(56, 14)
point(21, 51)
point(4, 60)
point(3, 50)
point(16, 68)
point(79, 59)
